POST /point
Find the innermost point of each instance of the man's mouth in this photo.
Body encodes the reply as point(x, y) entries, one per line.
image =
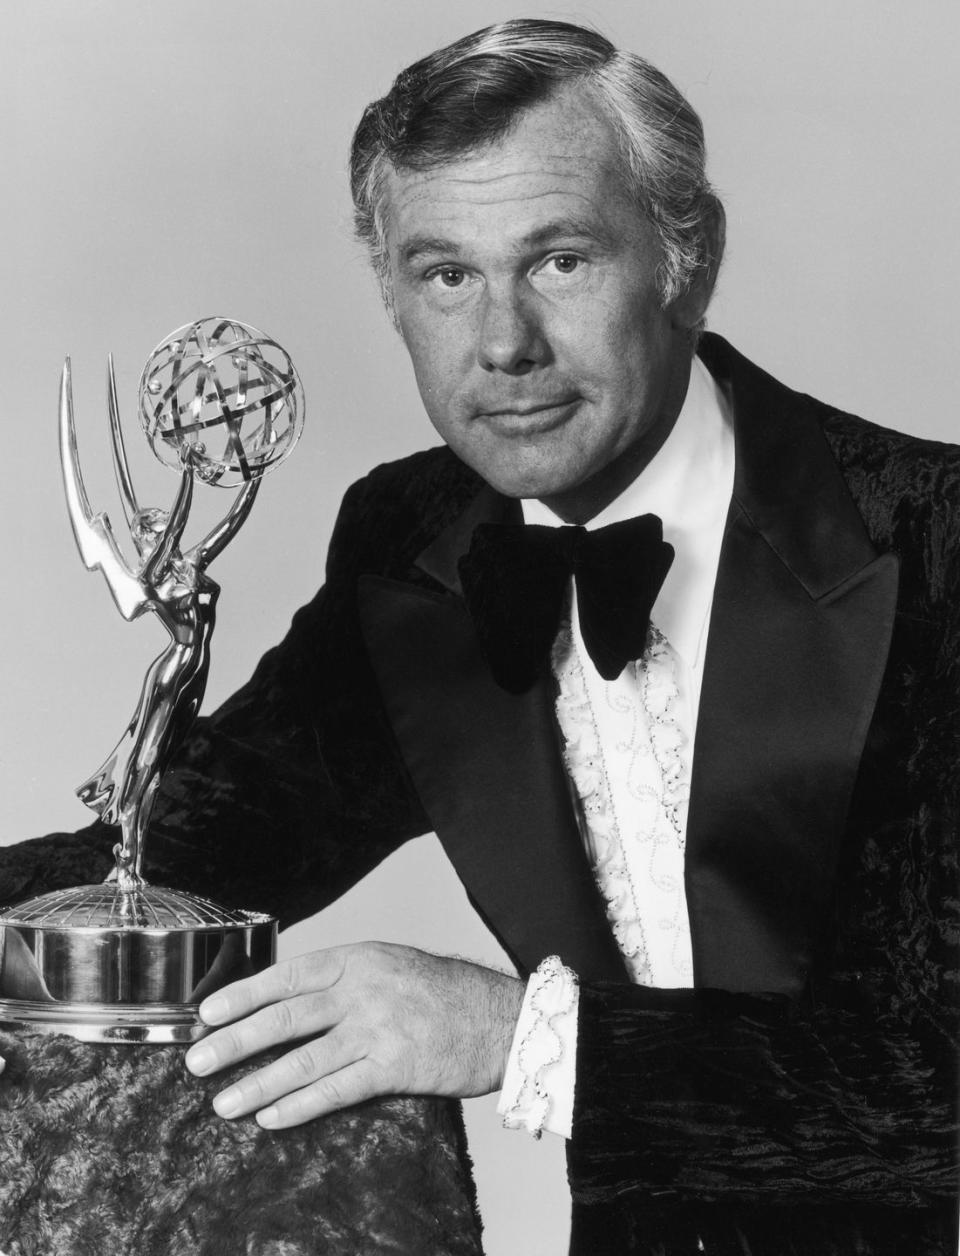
point(528, 416)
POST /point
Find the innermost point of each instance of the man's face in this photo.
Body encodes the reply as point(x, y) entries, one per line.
point(524, 280)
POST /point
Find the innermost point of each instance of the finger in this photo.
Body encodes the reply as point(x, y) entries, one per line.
point(299, 1017)
point(350, 1085)
point(307, 1064)
point(300, 975)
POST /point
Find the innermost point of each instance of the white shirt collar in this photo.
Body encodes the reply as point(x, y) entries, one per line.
point(688, 484)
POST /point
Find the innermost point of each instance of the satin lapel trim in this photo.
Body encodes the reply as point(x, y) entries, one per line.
point(800, 630)
point(490, 776)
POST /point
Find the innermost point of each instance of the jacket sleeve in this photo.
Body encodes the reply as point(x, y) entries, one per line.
point(284, 797)
point(703, 1097)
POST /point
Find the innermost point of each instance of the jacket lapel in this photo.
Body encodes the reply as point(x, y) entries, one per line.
point(802, 616)
point(486, 764)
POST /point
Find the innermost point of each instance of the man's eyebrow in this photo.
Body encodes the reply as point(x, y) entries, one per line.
point(421, 246)
point(568, 229)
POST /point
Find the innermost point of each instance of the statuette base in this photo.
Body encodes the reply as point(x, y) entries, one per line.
point(138, 1024)
point(105, 966)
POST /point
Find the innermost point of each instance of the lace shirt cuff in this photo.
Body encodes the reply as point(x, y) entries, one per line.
point(538, 1084)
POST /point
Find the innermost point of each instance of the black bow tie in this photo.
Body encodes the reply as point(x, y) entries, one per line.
point(515, 579)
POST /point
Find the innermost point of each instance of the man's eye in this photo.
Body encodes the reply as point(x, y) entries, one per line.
point(566, 263)
point(448, 276)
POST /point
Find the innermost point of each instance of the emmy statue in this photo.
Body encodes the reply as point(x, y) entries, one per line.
point(107, 1143)
point(125, 961)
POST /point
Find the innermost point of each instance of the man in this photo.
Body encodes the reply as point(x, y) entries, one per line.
point(699, 779)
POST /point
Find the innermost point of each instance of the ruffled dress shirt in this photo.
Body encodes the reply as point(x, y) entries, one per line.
point(628, 750)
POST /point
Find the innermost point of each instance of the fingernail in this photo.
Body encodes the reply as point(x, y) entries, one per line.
point(269, 1118)
point(200, 1059)
point(214, 1009)
point(228, 1102)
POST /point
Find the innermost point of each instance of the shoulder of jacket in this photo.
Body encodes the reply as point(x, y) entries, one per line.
point(880, 463)
point(854, 437)
point(394, 511)
point(907, 490)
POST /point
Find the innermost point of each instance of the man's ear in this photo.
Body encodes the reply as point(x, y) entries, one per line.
point(687, 310)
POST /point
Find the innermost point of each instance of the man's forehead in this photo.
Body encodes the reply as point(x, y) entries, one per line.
point(562, 149)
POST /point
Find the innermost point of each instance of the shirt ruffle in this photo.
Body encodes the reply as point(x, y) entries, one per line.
point(643, 701)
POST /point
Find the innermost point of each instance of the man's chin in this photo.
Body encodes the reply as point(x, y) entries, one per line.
point(530, 487)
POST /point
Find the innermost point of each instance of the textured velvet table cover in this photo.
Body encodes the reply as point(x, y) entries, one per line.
point(109, 1150)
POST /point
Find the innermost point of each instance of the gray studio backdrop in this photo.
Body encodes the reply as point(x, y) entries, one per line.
point(161, 162)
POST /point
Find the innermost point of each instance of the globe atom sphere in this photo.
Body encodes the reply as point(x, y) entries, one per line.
point(223, 396)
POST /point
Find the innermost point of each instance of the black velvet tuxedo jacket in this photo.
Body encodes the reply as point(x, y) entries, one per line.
point(802, 1098)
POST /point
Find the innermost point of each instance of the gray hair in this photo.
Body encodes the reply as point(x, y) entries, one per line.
point(469, 94)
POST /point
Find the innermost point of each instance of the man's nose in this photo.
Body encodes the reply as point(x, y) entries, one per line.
point(511, 336)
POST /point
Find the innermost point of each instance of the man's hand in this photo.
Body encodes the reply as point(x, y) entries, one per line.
point(379, 1020)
